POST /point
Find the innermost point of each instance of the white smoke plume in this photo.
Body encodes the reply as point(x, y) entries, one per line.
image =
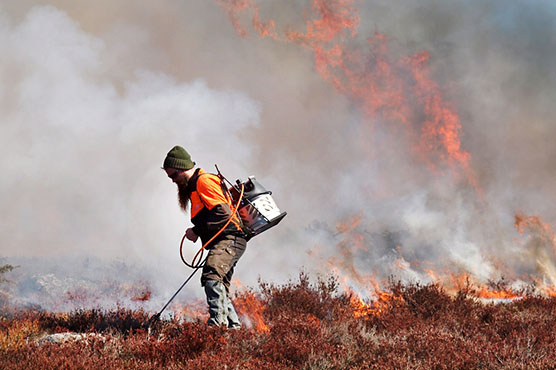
point(92, 96)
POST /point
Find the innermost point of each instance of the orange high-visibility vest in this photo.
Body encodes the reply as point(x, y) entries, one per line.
point(208, 194)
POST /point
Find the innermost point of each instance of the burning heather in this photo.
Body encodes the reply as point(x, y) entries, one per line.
point(412, 145)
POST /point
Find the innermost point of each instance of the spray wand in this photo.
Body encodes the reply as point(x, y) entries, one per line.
point(156, 317)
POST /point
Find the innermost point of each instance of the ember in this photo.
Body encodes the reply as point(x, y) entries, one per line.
point(143, 296)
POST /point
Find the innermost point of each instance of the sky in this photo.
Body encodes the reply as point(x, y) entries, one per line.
point(411, 151)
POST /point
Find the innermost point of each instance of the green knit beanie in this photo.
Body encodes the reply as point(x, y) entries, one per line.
point(179, 159)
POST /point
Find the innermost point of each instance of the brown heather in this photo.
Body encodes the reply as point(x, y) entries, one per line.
point(307, 326)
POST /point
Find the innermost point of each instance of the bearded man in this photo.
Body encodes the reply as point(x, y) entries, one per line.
point(211, 209)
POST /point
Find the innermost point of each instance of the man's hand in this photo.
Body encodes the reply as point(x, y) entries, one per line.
point(190, 234)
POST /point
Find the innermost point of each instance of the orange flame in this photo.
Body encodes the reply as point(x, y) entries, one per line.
point(373, 78)
point(251, 307)
point(377, 307)
point(349, 225)
point(336, 17)
point(234, 9)
point(535, 225)
point(442, 125)
point(485, 292)
point(549, 291)
point(453, 282)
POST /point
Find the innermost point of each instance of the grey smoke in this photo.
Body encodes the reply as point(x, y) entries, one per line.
point(92, 96)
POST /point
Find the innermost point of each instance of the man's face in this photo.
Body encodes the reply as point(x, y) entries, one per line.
point(177, 176)
point(180, 178)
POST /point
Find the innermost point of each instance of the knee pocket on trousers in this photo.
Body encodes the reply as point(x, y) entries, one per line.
point(221, 260)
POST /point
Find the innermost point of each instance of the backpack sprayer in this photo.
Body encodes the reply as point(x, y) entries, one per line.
point(255, 207)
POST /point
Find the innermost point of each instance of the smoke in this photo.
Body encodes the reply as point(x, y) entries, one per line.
point(92, 96)
point(83, 150)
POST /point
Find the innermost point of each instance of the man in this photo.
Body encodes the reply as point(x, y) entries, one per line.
point(211, 209)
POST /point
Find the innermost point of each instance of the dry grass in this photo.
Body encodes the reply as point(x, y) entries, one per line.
point(307, 327)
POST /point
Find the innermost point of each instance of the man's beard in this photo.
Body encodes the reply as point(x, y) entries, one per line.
point(183, 196)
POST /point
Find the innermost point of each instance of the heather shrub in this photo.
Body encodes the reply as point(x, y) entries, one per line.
point(319, 300)
point(95, 320)
point(303, 325)
point(292, 339)
point(15, 333)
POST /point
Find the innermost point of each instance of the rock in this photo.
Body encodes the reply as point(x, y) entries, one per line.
point(60, 338)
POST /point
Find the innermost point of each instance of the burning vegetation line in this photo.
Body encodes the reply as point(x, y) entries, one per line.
point(380, 84)
point(538, 244)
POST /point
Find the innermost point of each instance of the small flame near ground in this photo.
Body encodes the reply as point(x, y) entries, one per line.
point(378, 307)
point(250, 307)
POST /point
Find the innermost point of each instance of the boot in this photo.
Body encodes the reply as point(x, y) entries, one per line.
point(217, 300)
